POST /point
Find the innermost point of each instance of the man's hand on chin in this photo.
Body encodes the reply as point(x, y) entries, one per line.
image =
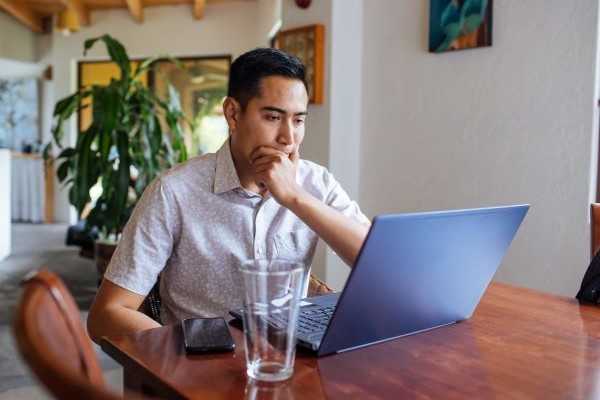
point(276, 171)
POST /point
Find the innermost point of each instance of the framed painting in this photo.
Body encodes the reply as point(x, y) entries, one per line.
point(19, 116)
point(459, 24)
point(306, 43)
point(202, 86)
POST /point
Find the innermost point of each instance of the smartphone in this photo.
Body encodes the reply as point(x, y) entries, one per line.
point(207, 335)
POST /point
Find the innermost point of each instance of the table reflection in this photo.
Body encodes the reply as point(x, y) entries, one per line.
point(257, 390)
point(421, 367)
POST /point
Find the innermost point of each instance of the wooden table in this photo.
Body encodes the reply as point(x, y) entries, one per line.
point(519, 344)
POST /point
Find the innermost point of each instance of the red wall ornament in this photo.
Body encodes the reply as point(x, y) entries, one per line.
point(303, 3)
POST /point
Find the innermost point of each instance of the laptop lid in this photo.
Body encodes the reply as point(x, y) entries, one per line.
point(420, 271)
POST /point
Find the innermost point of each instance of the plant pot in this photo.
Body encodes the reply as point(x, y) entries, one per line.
point(103, 252)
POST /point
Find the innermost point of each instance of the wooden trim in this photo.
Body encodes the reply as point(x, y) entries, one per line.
point(49, 190)
point(199, 8)
point(23, 14)
point(136, 10)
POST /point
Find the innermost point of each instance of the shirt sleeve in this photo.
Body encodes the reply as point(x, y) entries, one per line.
point(339, 200)
point(147, 241)
point(332, 192)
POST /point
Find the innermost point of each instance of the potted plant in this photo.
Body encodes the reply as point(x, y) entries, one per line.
point(124, 147)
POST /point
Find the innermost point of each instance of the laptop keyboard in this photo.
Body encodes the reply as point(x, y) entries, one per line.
point(310, 319)
point(314, 319)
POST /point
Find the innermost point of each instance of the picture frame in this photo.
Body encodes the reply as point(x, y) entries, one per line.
point(459, 24)
point(19, 117)
point(306, 43)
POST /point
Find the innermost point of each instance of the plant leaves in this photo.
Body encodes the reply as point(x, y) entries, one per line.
point(125, 137)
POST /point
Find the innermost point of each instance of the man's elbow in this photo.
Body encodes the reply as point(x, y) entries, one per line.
point(101, 320)
point(94, 327)
point(115, 311)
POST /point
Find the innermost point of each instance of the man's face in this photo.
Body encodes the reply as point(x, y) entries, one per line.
point(275, 119)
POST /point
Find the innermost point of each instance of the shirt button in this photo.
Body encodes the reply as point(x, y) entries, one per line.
point(259, 250)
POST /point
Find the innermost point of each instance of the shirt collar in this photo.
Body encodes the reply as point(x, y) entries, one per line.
point(226, 177)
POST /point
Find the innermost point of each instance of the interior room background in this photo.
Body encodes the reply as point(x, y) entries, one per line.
point(404, 129)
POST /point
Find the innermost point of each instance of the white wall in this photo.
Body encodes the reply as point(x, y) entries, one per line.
point(227, 28)
point(44, 60)
point(346, 103)
point(22, 49)
point(267, 21)
point(512, 123)
point(10, 68)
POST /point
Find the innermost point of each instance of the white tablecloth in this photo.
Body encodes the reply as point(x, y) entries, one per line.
point(28, 194)
point(5, 178)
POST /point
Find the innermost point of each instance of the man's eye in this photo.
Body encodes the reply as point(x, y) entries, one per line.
point(300, 121)
point(273, 117)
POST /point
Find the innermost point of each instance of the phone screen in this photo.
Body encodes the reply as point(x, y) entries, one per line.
point(205, 335)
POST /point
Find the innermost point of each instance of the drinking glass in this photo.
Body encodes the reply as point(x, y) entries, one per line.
point(272, 291)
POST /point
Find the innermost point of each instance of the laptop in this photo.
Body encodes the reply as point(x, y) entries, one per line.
point(414, 272)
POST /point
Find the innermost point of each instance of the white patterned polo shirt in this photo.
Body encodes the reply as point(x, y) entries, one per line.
point(195, 225)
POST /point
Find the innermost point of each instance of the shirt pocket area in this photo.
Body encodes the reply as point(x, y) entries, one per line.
point(295, 246)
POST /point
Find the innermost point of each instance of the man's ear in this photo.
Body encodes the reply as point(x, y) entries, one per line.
point(232, 111)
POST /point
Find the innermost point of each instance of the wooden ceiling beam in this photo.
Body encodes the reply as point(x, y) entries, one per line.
point(199, 8)
point(82, 10)
point(23, 14)
point(136, 10)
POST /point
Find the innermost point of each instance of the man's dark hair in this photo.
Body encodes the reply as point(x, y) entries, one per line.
point(248, 70)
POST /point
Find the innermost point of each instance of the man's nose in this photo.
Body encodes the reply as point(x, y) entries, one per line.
point(286, 134)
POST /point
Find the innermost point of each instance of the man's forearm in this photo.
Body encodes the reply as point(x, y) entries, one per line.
point(117, 320)
point(114, 311)
point(343, 234)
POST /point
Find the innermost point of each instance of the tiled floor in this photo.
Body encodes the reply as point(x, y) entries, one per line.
point(35, 246)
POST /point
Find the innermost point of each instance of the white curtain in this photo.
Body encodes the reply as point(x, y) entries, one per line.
point(27, 183)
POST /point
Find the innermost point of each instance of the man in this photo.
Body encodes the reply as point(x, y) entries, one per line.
point(254, 198)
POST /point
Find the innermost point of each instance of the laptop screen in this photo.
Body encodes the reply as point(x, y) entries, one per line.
point(419, 271)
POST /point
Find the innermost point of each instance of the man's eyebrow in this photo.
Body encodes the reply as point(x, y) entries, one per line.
point(280, 110)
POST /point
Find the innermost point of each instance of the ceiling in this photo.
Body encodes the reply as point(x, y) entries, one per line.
point(36, 14)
